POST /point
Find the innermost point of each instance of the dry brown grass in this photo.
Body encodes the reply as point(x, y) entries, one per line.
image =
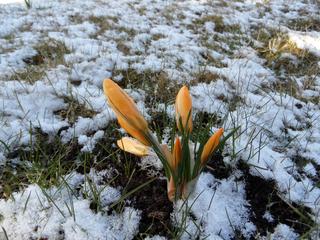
point(283, 56)
point(74, 110)
point(104, 23)
point(219, 25)
point(158, 86)
point(49, 55)
point(305, 24)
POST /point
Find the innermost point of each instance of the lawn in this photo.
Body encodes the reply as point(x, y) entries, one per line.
point(252, 67)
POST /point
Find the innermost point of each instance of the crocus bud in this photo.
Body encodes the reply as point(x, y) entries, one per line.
point(128, 115)
point(210, 146)
point(177, 149)
point(184, 110)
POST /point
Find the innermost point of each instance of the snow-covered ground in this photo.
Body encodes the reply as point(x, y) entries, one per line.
point(237, 45)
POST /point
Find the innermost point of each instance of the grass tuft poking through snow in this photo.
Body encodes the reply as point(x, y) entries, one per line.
point(61, 213)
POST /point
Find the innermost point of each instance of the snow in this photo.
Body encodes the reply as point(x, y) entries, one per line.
point(267, 215)
point(52, 213)
point(309, 41)
point(10, 1)
point(90, 142)
point(25, 107)
point(220, 202)
point(155, 238)
point(107, 38)
point(151, 161)
point(282, 231)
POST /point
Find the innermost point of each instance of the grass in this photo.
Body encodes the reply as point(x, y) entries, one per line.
point(158, 36)
point(225, 39)
point(28, 3)
point(205, 76)
point(53, 52)
point(46, 160)
point(49, 55)
point(226, 44)
point(182, 217)
point(103, 23)
point(203, 122)
point(277, 47)
point(288, 62)
point(47, 165)
point(305, 24)
point(153, 83)
point(219, 25)
point(9, 38)
point(43, 162)
point(74, 110)
point(30, 74)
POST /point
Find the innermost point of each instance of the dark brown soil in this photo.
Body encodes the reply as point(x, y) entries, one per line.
point(34, 60)
point(151, 199)
point(155, 207)
point(217, 167)
point(263, 196)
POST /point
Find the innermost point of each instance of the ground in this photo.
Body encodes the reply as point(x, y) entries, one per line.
point(252, 64)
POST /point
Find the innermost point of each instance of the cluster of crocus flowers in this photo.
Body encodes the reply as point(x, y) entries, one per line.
point(184, 162)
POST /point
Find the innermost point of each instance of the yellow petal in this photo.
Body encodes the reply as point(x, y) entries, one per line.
point(126, 111)
point(184, 109)
point(177, 149)
point(133, 146)
point(134, 132)
point(210, 146)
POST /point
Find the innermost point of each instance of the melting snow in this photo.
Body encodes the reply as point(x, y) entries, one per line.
point(104, 38)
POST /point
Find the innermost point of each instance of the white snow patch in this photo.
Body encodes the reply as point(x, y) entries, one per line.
point(219, 206)
point(282, 231)
point(267, 215)
point(33, 215)
point(307, 40)
point(90, 142)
